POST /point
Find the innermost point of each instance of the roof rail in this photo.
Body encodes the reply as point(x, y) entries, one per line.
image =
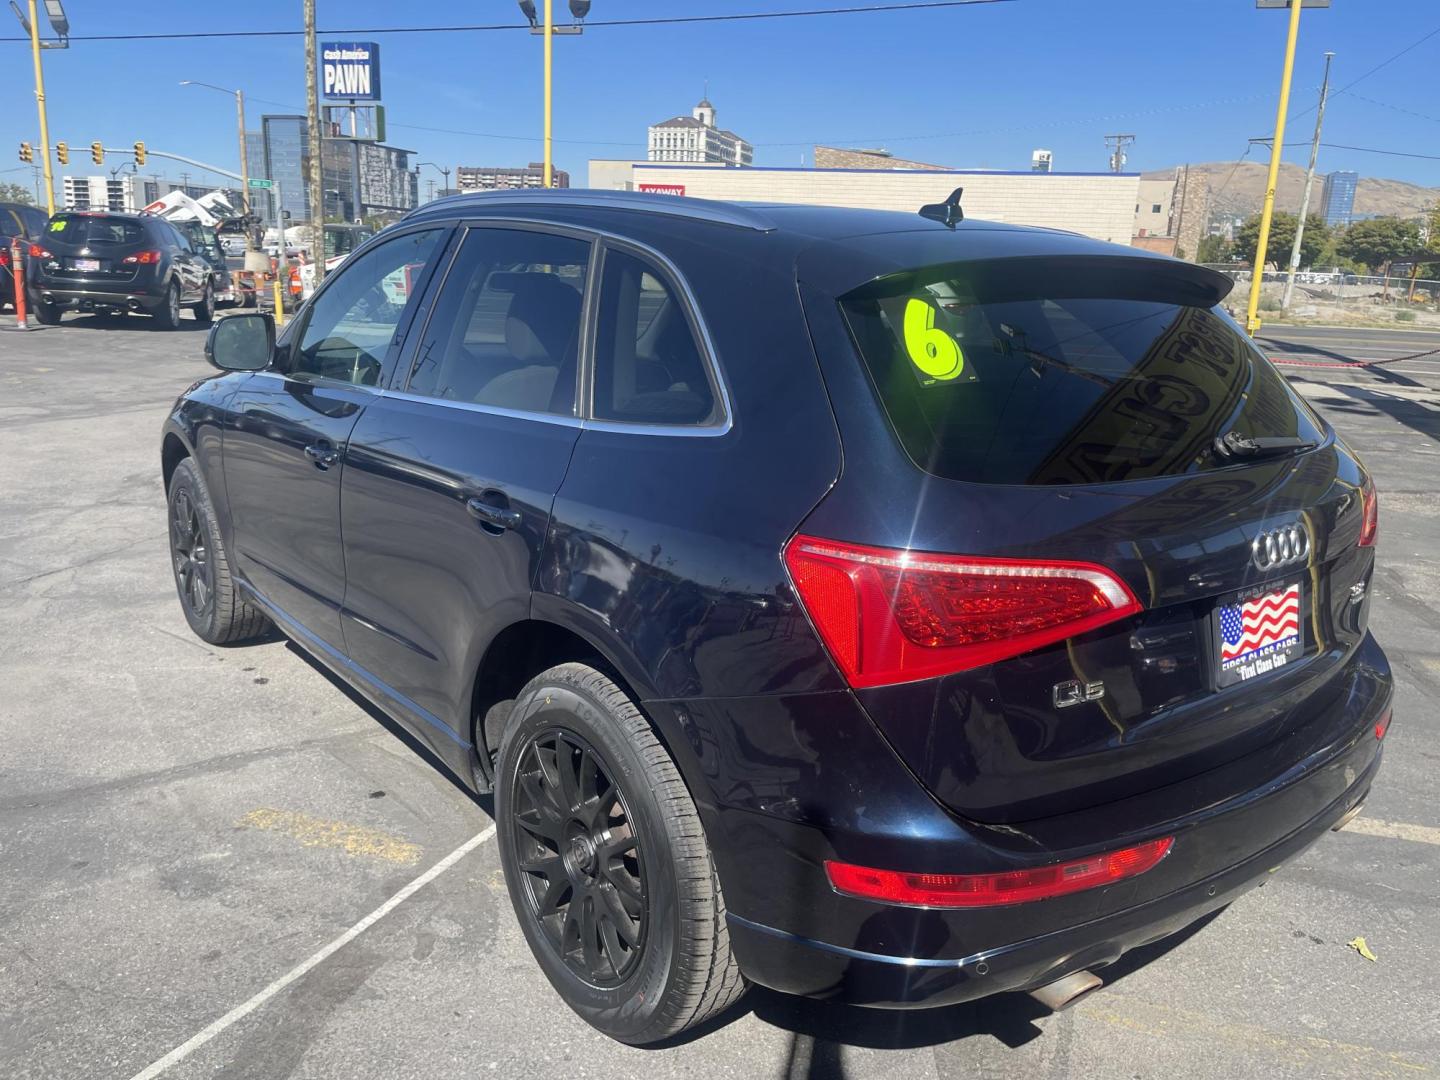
point(720, 213)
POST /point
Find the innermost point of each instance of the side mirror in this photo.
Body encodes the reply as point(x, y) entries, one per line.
point(241, 342)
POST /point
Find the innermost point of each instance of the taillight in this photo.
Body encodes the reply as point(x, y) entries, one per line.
point(38, 252)
point(4, 256)
point(993, 890)
point(141, 258)
point(1383, 724)
point(1370, 522)
point(891, 616)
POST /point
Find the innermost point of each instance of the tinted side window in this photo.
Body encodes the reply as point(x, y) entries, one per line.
point(505, 330)
point(648, 366)
point(352, 320)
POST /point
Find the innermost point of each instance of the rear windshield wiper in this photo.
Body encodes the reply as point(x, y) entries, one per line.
point(1234, 445)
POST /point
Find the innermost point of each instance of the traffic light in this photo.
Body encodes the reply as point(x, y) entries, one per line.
point(139, 152)
point(26, 152)
point(97, 153)
point(62, 153)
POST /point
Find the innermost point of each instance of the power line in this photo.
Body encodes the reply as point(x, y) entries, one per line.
point(1387, 153)
point(1383, 64)
point(669, 20)
point(1397, 108)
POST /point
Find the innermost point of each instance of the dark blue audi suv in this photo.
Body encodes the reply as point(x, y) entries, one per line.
point(888, 608)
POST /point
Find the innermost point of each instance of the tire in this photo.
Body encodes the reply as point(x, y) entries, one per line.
point(634, 855)
point(205, 309)
point(213, 605)
point(45, 314)
point(167, 316)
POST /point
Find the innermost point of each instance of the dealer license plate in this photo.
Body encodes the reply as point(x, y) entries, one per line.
point(86, 264)
point(1258, 631)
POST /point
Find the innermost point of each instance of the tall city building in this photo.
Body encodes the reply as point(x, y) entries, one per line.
point(696, 138)
point(358, 178)
point(1339, 197)
point(494, 177)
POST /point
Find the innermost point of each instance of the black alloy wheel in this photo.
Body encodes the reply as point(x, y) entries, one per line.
point(582, 865)
point(190, 548)
point(606, 861)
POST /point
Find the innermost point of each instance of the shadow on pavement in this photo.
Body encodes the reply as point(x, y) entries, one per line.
point(188, 324)
point(1413, 414)
point(485, 802)
point(819, 1030)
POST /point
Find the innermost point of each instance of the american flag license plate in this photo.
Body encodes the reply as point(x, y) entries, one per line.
point(1258, 632)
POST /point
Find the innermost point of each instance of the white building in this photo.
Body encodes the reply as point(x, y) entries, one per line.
point(1101, 205)
point(695, 138)
point(103, 193)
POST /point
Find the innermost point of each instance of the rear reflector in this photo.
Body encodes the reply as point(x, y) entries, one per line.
point(1370, 523)
point(993, 890)
point(890, 616)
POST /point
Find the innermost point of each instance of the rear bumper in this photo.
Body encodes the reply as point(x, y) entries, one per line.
point(799, 965)
point(776, 808)
point(131, 295)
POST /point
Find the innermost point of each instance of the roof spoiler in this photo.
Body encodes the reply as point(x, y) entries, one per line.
point(947, 212)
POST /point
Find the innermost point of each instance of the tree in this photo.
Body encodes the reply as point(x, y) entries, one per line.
point(1213, 249)
point(1432, 239)
point(16, 193)
point(1380, 240)
point(1282, 239)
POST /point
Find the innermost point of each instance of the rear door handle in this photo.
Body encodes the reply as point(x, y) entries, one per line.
point(501, 517)
point(322, 454)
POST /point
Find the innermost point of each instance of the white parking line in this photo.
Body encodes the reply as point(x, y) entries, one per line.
point(1394, 830)
point(241, 1011)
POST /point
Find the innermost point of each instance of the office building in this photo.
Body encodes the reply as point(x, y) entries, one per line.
point(359, 179)
point(497, 177)
point(695, 138)
point(1338, 201)
point(129, 193)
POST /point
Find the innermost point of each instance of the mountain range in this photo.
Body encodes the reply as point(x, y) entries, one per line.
point(1239, 190)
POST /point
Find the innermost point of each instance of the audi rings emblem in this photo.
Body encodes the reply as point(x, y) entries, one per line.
point(1285, 546)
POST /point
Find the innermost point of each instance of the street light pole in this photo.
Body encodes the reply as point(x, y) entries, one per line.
point(244, 152)
point(1309, 181)
point(1257, 272)
point(40, 104)
point(549, 180)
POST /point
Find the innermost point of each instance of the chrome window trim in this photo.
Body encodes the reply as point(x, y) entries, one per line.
point(599, 238)
point(322, 382)
point(490, 410)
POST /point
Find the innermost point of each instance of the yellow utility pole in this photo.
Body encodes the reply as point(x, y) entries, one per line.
point(40, 104)
point(1257, 272)
point(549, 41)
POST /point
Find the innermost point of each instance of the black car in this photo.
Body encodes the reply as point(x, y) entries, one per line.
point(18, 221)
point(111, 262)
point(873, 607)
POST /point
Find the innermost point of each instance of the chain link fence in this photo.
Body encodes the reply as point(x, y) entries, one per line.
point(1343, 297)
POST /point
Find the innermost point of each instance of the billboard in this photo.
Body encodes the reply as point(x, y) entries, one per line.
point(350, 70)
point(663, 189)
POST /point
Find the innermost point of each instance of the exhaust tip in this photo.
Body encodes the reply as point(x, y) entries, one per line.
point(1064, 992)
point(1349, 816)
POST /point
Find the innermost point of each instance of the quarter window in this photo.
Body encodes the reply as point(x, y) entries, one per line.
point(505, 331)
point(353, 320)
point(648, 367)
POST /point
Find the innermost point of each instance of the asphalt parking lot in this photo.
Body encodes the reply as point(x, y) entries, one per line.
point(196, 842)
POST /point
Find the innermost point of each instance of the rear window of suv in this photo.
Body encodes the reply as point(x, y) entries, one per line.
point(1056, 375)
point(94, 229)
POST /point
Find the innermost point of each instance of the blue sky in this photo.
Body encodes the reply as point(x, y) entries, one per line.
point(972, 87)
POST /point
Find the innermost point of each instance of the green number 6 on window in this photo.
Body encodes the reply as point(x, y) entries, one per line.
point(932, 350)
